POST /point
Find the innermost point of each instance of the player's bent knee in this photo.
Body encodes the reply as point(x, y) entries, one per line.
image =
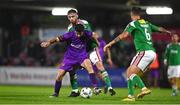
point(89, 69)
point(60, 75)
point(58, 78)
point(129, 72)
point(87, 63)
point(133, 70)
point(100, 66)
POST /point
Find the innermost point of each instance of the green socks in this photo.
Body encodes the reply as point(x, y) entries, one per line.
point(133, 80)
point(130, 88)
point(106, 78)
point(73, 79)
point(137, 80)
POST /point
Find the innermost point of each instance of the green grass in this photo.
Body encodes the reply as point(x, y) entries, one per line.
point(39, 95)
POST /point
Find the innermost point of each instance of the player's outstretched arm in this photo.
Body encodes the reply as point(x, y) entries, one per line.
point(109, 58)
point(49, 42)
point(122, 36)
point(161, 29)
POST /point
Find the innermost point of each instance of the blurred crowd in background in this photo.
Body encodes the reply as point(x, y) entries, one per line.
point(29, 53)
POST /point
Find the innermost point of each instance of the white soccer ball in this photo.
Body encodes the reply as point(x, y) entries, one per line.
point(86, 92)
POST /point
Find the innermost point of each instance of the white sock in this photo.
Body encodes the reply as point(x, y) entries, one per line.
point(143, 88)
point(109, 88)
point(130, 96)
point(75, 90)
point(174, 87)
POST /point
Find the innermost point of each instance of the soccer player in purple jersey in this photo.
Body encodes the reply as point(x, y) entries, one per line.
point(94, 56)
point(75, 55)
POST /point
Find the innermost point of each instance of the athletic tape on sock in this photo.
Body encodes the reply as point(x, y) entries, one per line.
point(132, 76)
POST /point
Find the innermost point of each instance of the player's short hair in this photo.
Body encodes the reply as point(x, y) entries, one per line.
point(175, 34)
point(79, 27)
point(72, 11)
point(136, 10)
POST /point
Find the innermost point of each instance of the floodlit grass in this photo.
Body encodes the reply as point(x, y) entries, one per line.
point(40, 95)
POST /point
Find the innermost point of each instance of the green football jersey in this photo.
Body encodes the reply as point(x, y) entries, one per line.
point(141, 32)
point(91, 42)
point(172, 54)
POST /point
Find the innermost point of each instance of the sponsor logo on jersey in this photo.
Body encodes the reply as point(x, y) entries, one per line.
point(77, 46)
point(174, 51)
point(149, 42)
point(145, 25)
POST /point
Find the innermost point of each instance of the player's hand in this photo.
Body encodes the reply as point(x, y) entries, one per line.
point(45, 44)
point(106, 47)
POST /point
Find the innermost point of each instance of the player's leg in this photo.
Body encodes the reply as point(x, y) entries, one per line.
point(146, 59)
point(105, 77)
point(58, 82)
point(132, 73)
point(98, 74)
point(96, 59)
point(74, 85)
point(172, 79)
point(133, 79)
point(66, 65)
point(138, 65)
point(88, 66)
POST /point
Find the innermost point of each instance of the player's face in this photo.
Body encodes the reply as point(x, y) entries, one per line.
point(134, 17)
point(175, 38)
point(72, 17)
point(79, 34)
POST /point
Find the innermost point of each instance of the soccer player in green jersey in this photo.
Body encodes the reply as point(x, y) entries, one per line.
point(141, 32)
point(94, 56)
point(172, 59)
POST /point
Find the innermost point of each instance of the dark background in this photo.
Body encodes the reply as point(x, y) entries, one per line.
point(21, 48)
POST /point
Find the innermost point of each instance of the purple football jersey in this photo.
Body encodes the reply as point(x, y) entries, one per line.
point(76, 51)
point(102, 44)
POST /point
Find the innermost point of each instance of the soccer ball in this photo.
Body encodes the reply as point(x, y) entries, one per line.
point(86, 92)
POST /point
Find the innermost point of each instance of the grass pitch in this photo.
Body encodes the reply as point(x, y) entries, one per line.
point(39, 95)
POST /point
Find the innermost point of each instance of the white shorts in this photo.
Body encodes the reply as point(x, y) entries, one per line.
point(173, 71)
point(94, 56)
point(143, 59)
